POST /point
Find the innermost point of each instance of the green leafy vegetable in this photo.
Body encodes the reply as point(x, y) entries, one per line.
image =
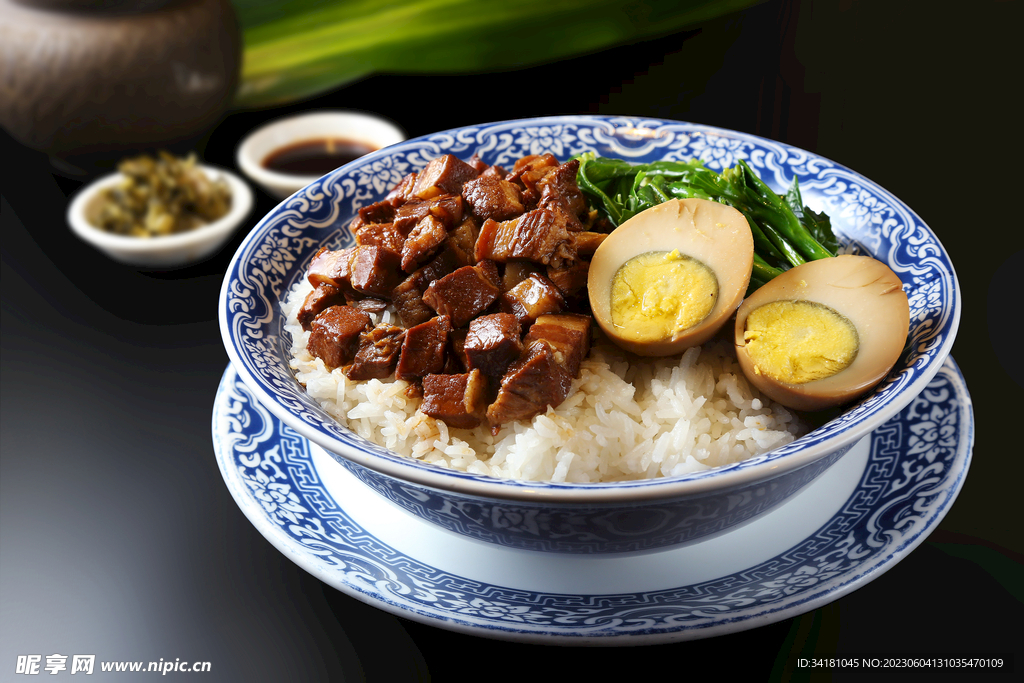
point(786, 232)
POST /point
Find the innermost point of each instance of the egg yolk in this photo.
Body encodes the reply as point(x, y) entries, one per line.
point(799, 341)
point(659, 294)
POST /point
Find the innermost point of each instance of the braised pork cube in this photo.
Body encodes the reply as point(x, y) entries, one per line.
point(533, 297)
point(408, 295)
point(517, 271)
point(586, 242)
point(376, 271)
point(378, 212)
point(568, 336)
point(491, 197)
point(320, 299)
point(463, 239)
point(493, 172)
point(561, 183)
point(423, 241)
point(530, 385)
point(377, 354)
point(366, 303)
point(423, 349)
point(460, 400)
point(462, 295)
point(560, 207)
point(449, 209)
point(331, 267)
point(334, 334)
point(476, 162)
point(402, 192)
point(538, 236)
point(409, 214)
point(443, 175)
point(571, 279)
point(493, 343)
point(380, 235)
point(528, 172)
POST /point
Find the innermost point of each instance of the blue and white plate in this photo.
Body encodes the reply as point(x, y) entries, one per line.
point(858, 519)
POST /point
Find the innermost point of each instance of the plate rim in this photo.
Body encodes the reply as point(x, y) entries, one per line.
point(847, 581)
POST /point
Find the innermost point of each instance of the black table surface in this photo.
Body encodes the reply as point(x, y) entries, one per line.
point(120, 539)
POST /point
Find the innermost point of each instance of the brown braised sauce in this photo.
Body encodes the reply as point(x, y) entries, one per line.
point(315, 157)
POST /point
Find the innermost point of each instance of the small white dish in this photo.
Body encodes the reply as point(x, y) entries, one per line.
point(371, 130)
point(169, 251)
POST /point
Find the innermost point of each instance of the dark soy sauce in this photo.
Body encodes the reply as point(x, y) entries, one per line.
point(315, 157)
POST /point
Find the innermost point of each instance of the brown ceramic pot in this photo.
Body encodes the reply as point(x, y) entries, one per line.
point(86, 76)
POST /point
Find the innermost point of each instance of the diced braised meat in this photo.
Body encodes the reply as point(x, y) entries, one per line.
point(533, 297)
point(320, 299)
point(424, 240)
point(476, 162)
point(561, 183)
point(375, 271)
point(530, 385)
point(443, 175)
point(402, 192)
point(586, 243)
point(529, 172)
point(568, 336)
point(377, 354)
point(378, 212)
point(517, 271)
point(563, 213)
point(331, 267)
point(380, 235)
point(538, 236)
point(570, 279)
point(334, 334)
point(463, 239)
point(408, 295)
point(367, 303)
point(462, 295)
point(489, 269)
point(495, 172)
point(493, 343)
point(491, 197)
point(409, 214)
point(423, 349)
point(460, 400)
point(449, 209)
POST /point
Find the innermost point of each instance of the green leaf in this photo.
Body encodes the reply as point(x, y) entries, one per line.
point(302, 48)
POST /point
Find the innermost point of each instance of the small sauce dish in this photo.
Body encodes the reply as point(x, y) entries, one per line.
point(165, 251)
point(287, 138)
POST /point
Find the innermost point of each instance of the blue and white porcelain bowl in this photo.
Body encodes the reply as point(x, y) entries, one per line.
point(585, 518)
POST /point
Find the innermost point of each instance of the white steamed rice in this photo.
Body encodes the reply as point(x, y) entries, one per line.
point(624, 418)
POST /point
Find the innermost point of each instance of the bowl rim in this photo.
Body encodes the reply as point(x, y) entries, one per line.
point(701, 483)
point(251, 166)
point(241, 205)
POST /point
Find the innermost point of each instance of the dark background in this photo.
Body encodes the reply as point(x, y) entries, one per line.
point(119, 537)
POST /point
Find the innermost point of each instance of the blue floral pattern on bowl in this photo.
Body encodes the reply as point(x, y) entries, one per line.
point(866, 217)
point(916, 466)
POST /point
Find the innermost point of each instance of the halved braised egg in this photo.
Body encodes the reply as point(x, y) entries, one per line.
point(670, 277)
point(823, 333)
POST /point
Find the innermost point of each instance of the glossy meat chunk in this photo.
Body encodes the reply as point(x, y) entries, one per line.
point(567, 334)
point(533, 297)
point(332, 267)
point(460, 399)
point(334, 334)
point(443, 175)
point(538, 235)
point(408, 295)
point(376, 271)
point(463, 294)
point(320, 299)
point(530, 385)
point(423, 241)
point(423, 349)
point(377, 354)
point(493, 343)
point(491, 197)
point(380, 235)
